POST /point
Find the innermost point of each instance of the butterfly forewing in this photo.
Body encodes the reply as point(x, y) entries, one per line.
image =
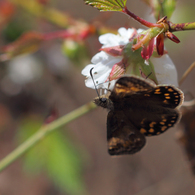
point(130, 85)
point(166, 96)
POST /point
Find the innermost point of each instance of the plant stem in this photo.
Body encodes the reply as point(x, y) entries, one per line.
point(182, 26)
point(186, 73)
point(140, 20)
point(43, 131)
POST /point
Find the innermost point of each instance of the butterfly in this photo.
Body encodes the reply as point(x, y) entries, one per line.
point(138, 108)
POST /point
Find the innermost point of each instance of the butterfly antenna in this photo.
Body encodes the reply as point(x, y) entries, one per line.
point(94, 83)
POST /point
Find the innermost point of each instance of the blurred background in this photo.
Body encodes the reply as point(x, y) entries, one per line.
point(74, 160)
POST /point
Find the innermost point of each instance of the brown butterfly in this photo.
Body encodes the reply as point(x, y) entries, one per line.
point(138, 108)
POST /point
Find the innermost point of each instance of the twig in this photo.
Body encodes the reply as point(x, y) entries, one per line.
point(187, 73)
point(42, 132)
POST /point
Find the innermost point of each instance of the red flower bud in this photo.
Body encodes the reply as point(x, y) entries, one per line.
point(172, 37)
point(160, 44)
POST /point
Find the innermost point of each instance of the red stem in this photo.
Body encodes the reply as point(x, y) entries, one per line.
point(68, 34)
point(140, 20)
point(58, 34)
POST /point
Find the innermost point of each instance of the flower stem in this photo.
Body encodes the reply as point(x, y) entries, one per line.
point(43, 131)
point(140, 20)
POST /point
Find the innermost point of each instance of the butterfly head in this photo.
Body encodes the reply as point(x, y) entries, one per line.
point(104, 102)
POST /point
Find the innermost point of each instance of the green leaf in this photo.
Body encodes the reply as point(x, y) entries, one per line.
point(169, 7)
point(107, 5)
point(54, 155)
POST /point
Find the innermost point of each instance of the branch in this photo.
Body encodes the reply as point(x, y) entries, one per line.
point(43, 132)
point(140, 20)
point(181, 26)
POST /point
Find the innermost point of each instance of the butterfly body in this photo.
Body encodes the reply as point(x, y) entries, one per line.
point(138, 109)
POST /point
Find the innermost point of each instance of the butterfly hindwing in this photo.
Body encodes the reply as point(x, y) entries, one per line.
point(155, 124)
point(122, 136)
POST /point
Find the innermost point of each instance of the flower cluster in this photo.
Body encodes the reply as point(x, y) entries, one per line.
point(116, 58)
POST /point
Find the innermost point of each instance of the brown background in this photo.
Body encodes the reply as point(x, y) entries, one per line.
point(161, 168)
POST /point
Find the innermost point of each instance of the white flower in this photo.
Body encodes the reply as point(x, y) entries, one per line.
point(103, 62)
point(165, 70)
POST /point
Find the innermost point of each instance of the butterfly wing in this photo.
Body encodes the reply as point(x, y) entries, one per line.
point(150, 108)
point(130, 85)
point(163, 95)
point(122, 136)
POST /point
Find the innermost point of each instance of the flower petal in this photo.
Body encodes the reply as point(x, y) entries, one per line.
point(165, 70)
point(86, 70)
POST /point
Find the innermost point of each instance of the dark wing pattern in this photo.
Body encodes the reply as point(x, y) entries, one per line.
point(122, 136)
point(138, 109)
point(150, 108)
point(165, 96)
point(131, 85)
